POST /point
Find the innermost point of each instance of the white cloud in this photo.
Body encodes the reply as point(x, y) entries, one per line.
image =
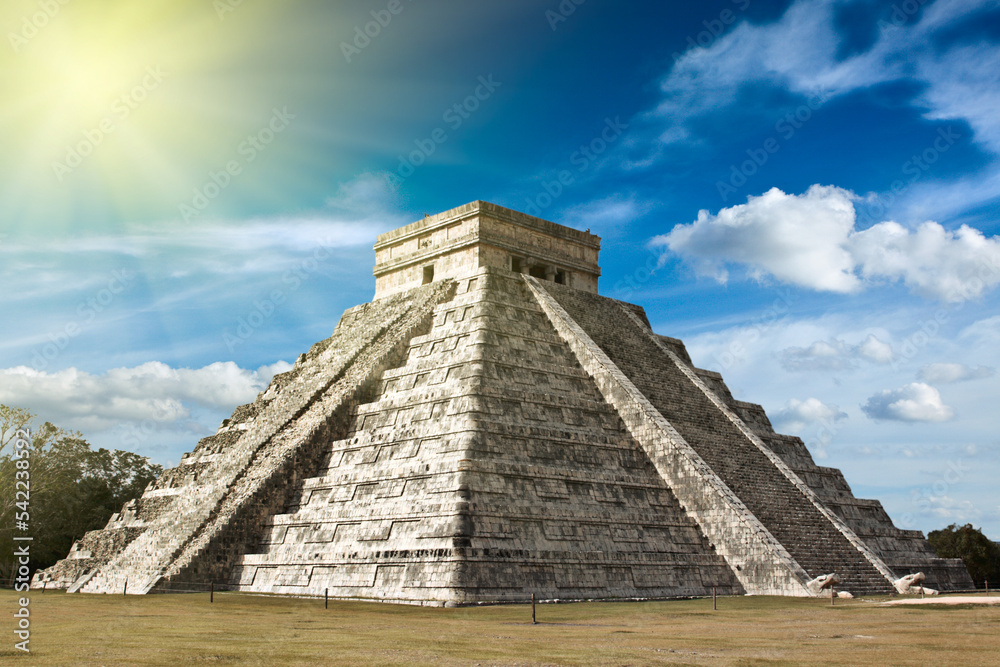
point(150, 392)
point(797, 415)
point(942, 373)
point(810, 240)
point(798, 239)
point(933, 262)
point(875, 350)
point(915, 402)
point(835, 354)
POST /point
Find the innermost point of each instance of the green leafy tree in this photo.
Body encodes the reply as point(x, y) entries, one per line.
point(73, 488)
point(980, 554)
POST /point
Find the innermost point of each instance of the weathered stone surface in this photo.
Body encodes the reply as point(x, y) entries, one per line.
point(497, 432)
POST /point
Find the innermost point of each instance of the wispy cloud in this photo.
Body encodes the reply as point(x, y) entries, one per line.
point(942, 373)
point(363, 207)
point(704, 81)
point(610, 216)
point(213, 260)
point(255, 236)
point(800, 57)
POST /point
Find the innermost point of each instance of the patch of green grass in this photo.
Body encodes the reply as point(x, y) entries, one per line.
point(262, 630)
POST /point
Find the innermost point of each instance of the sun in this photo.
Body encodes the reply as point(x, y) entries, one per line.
point(109, 104)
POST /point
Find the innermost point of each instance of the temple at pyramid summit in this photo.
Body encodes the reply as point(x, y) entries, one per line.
point(490, 427)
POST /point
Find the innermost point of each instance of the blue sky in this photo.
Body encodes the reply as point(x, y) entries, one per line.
point(806, 192)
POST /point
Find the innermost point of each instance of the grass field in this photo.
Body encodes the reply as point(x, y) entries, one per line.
point(253, 630)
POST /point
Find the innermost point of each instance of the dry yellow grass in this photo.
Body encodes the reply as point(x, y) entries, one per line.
point(250, 630)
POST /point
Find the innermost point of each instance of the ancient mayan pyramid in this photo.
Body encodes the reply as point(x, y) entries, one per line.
point(490, 427)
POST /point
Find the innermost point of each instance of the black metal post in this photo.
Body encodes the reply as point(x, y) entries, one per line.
point(533, 621)
point(715, 605)
point(211, 593)
point(326, 598)
point(125, 587)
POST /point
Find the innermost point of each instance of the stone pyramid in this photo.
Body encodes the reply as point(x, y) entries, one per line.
point(489, 427)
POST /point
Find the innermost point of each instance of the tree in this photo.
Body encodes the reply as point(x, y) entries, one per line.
point(73, 488)
point(11, 421)
point(980, 554)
